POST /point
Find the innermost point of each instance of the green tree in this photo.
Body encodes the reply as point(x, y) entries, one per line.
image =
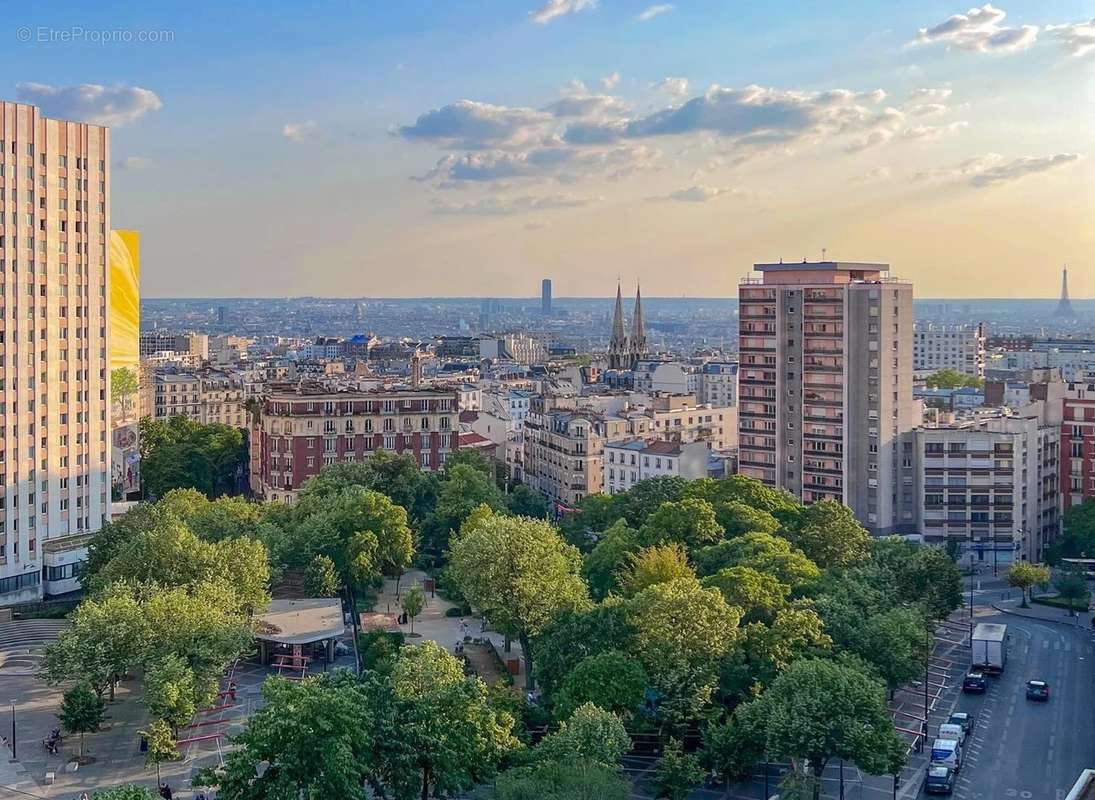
point(450, 737)
point(105, 641)
point(611, 680)
point(682, 632)
point(737, 518)
point(733, 748)
point(590, 734)
point(317, 738)
point(1078, 540)
point(414, 599)
point(123, 385)
point(572, 637)
point(550, 780)
point(818, 710)
point(125, 793)
point(651, 565)
point(463, 489)
point(524, 502)
point(321, 577)
point(772, 555)
point(647, 496)
point(161, 745)
point(106, 543)
point(171, 693)
point(1071, 586)
point(759, 595)
point(595, 513)
point(520, 574)
point(82, 711)
point(182, 453)
point(926, 576)
point(777, 502)
point(952, 379)
point(690, 522)
point(767, 649)
point(1023, 575)
point(677, 773)
point(831, 536)
point(600, 565)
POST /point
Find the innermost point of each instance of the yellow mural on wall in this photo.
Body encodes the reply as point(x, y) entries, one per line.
point(125, 299)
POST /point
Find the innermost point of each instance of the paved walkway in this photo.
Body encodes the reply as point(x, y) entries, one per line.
point(432, 624)
point(1053, 614)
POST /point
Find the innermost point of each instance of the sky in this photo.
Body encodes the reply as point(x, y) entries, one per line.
point(473, 147)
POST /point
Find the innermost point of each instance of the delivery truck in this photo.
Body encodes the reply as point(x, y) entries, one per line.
point(989, 647)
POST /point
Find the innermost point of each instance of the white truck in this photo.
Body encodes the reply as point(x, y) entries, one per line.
point(988, 647)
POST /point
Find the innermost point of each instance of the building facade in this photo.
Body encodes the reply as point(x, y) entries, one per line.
point(304, 428)
point(825, 386)
point(957, 347)
point(54, 380)
point(207, 397)
point(627, 463)
point(718, 384)
point(195, 345)
point(1078, 444)
point(991, 485)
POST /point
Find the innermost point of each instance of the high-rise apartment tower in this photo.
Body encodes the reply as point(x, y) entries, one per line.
point(545, 296)
point(825, 386)
point(54, 381)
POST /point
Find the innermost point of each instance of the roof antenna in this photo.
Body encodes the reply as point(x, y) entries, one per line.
point(824, 250)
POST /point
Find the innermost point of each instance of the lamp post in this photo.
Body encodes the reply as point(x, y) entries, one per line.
point(13, 753)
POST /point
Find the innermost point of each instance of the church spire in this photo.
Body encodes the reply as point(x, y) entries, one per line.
point(618, 346)
point(638, 328)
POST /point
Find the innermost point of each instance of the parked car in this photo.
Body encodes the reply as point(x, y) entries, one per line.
point(940, 780)
point(947, 752)
point(1037, 690)
point(963, 719)
point(975, 683)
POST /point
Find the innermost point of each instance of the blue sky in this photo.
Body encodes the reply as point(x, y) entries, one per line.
point(289, 148)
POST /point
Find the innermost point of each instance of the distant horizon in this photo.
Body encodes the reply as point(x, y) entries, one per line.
point(563, 298)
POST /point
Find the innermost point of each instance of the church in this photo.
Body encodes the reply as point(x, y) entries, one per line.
point(623, 349)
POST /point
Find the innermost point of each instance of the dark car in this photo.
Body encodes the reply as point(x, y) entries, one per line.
point(940, 780)
point(963, 719)
point(975, 682)
point(1037, 690)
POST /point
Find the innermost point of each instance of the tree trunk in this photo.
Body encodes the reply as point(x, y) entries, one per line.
point(818, 768)
point(425, 783)
point(81, 745)
point(530, 680)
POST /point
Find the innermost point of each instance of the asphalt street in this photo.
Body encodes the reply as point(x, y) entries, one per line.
point(1024, 749)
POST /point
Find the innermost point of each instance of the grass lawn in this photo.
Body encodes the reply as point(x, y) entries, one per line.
point(1079, 604)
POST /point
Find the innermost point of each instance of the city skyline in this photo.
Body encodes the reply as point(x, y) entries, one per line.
point(414, 166)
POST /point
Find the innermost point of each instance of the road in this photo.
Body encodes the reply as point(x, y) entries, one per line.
point(1022, 749)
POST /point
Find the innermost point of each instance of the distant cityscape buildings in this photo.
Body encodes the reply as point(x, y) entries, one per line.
point(624, 349)
point(545, 297)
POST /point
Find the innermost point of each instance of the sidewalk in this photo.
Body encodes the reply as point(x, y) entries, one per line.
point(1052, 614)
point(432, 623)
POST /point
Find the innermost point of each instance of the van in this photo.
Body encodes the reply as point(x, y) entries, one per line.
point(950, 731)
point(947, 752)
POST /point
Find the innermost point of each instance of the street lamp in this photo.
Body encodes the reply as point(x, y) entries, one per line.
point(13, 754)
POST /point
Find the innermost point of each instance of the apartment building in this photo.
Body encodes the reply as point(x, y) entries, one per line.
point(208, 397)
point(524, 348)
point(195, 345)
point(565, 437)
point(718, 383)
point(305, 427)
point(991, 484)
point(1078, 444)
point(825, 386)
point(957, 347)
point(54, 380)
point(627, 463)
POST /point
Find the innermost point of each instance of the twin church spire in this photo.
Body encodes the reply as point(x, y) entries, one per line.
point(624, 349)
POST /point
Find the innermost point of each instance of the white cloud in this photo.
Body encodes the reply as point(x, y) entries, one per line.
point(653, 11)
point(469, 125)
point(675, 87)
point(979, 29)
point(698, 194)
point(495, 205)
point(299, 131)
point(930, 95)
point(932, 132)
point(1078, 38)
point(927, 110)
point(609, 82)
point(132, 162)
point(577, 101)
point(553, 9)
point(88, 102)
point(992, 169)
point(875, 175)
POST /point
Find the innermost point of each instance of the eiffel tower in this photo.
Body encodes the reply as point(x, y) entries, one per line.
point(1064, 307)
